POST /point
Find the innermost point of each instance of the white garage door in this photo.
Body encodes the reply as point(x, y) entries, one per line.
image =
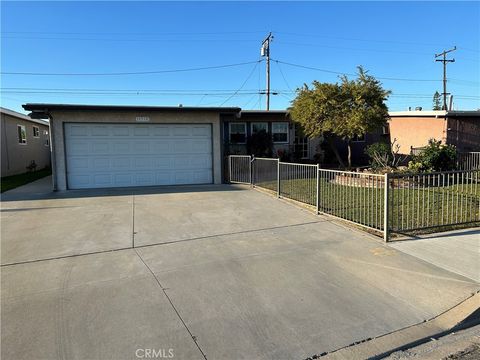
point(115, 155)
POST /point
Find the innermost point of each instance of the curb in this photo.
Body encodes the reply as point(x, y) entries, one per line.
point(461, 316)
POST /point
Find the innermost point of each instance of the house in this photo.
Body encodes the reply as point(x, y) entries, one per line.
point(413, 129)
point(25, 143)
point(97, 146)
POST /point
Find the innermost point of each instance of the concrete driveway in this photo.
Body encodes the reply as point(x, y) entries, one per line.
point(218, 272)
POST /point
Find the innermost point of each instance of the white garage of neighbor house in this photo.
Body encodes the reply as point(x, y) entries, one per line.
point(99, 146)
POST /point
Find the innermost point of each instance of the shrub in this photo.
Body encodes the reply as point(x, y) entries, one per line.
point(435, 157)
point(380, 154)
point(260, 144)
point(385, 155)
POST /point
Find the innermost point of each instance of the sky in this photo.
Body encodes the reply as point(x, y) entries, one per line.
point(82, 51)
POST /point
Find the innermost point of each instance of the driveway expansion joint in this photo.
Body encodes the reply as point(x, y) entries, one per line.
point(194, 338)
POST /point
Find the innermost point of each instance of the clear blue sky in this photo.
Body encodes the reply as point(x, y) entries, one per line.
point(395, 40)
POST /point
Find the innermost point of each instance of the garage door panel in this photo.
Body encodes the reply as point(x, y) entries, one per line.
point(78, 146)
point(142, 163)
point(123, 179)
point(200, 131)
point(99, 130)
point(163, 131)
point(102, 179)
point(164, 162)
point(162, 147)
point(116, 155)
point(201, 146)
point(120, 130)
point(121, 147)
point(100, 147)
point(145, 179)
point(141, 130)
point(78, 130)
point(202, 177)
point(164, 178)
point(182, 130)
point(121, 162)
point(81, 181)
point(80, 163)
point(101, 164)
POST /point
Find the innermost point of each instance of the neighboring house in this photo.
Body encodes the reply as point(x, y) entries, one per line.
point(413, 129)
point(24, 142)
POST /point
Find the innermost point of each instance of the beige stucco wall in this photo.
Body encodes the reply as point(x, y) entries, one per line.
point(58, 118)
point(15, 156)
point(415, 131)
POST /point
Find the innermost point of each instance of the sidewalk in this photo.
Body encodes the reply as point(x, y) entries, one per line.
point(456, 251)
point(462, 345)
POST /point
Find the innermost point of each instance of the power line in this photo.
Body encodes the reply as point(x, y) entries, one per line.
point(128, 93)
point(243, 84)
point(120, 39)
point(283, 76)
point(389, 41)
point(350, 48)
point(133, 73)
point(134, 33)
point(201, 91)
point(351, 74)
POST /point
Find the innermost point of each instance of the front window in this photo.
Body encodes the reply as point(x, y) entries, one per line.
point(36, 132)
point(259, 126)
point(22, 134)
point(238, 133)
point(301, 146)
point(280, 132)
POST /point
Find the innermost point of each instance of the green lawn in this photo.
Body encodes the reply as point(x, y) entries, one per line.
point(11, 182)
point(411, 209)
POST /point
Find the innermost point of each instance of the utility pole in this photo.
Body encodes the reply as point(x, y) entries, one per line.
point(265, 51)
point(445, 61)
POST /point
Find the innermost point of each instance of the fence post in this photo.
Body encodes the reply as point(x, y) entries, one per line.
point(386, 226)
point(318, 189)
point(229, 169)
point(278, 177)
point(252, 160)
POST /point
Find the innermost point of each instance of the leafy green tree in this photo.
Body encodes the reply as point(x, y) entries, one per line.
point(347, 109)
point(437, 101)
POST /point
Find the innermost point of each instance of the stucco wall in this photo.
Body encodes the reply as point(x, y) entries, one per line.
point(415, 131)
point(60, 117)
point(15, 156)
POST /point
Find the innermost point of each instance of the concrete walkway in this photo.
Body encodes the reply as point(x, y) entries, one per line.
point(457, 251)
point(41, 186)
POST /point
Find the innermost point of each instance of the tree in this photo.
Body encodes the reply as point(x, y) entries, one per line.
point(437, 101)
point(347, 109)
